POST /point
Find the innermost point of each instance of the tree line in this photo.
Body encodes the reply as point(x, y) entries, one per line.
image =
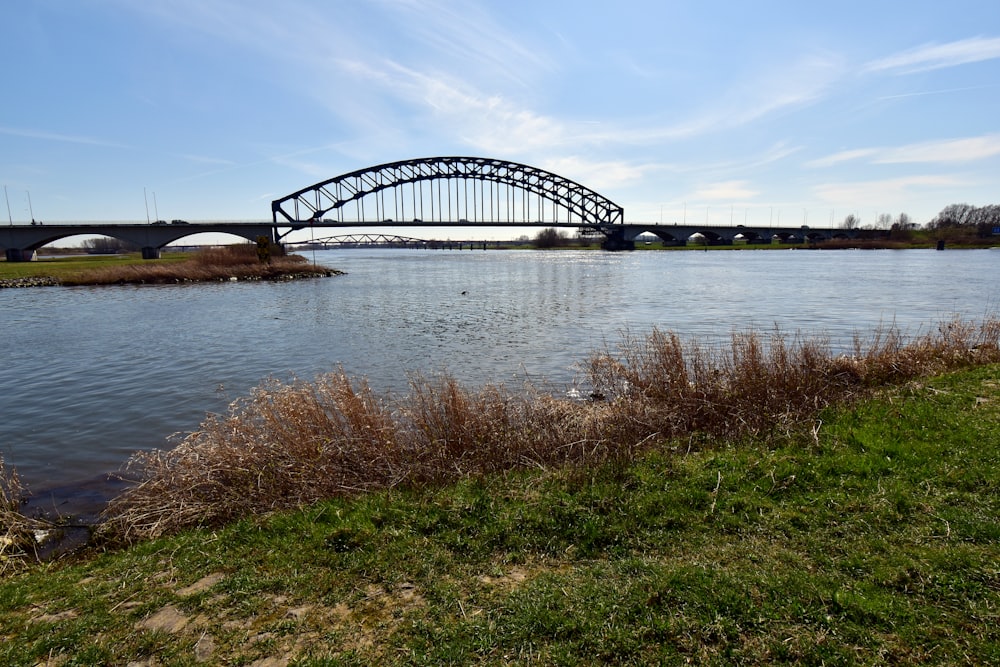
point(953, 220)
point(983, 220)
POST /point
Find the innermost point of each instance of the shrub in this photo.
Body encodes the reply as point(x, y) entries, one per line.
point(17, 536)
point(223, 263)
point(293, 443)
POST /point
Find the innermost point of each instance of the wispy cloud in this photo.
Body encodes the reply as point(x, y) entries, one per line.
point(943, 91)
point(290, 159)
point(491, 123)
point(724, 191)
point(882, 192)
point(495, 122)
point(464, 34)
point(940, 151)
point(938, 56)
point(950, 150)
point(55, 136)
point(765, 94)
point(598, 174)
point(202, 159)
point(842, 156)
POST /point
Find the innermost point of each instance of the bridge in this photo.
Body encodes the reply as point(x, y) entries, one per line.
point(483, 192)
point(447, 191)
point(427, 192)
point(679, 235)
point(20, 242)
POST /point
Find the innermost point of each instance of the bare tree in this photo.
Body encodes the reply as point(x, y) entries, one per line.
point(851, 222)
point(549, 238)
point(953, 215)
point(965, 219)
point(105, 245)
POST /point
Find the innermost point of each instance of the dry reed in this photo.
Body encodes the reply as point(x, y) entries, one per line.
point(17, 531)
point(293, 443)
point(211, 264)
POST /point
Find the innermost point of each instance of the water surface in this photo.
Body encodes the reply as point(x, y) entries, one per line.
point(91, 375)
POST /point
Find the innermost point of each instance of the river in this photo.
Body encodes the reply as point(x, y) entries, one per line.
point(91, 375)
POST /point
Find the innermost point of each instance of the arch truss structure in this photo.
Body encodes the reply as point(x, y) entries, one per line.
point(466, 191)
point(386, 240)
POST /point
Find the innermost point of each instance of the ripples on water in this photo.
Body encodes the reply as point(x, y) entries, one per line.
point(94, 374)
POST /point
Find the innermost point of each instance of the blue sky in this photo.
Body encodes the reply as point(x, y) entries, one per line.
point(695, 110)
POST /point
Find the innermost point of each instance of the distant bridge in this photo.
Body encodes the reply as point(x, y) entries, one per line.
point(391, 240)
point(394, 241)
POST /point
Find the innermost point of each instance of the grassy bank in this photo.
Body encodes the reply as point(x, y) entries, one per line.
point(70, 265)
point(211, 264)
point(292, 443)
point(869, 536)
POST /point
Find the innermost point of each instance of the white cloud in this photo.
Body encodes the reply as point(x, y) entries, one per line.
point(464, 34)
point(939, 151)
point(203, 159)
point(725, 191)
point(882, 192)
point(949, 150)
point(485, 122)
point(768, 93)
point(596, 174)
point(937, 56)
point(942, 91)
point(55, 136)
point(843, 156)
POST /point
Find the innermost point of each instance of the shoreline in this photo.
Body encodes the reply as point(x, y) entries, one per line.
point(52, 281)
point(228, 263)
point(801, 548)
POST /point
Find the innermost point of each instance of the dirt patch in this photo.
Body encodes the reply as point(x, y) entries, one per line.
point(55, 618)
point(169, 619)
point(202, 584)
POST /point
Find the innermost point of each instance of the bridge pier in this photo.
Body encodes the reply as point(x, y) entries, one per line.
point(18, 255)
point(150, 252)
point(616, 241)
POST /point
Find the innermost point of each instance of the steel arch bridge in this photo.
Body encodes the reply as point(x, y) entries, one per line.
point(443, 191)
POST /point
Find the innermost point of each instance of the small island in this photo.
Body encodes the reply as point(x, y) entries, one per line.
point(215, 264)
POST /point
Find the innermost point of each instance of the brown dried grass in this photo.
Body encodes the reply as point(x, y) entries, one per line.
point(17, 537)
point(288, 444)
point(211, 264)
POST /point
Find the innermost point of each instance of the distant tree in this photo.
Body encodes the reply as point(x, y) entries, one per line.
point(107, 246)
point(884, 221)
point(966, 220)
point(549, 238)
point(851, 222)
point(953, 215)
point(902, 228)
point(984, 219)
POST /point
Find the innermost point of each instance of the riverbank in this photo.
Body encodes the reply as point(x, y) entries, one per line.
point(231, 263)
point(866, 536)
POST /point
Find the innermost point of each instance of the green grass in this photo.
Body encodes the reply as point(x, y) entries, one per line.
point(60, 267)
point(207, 264)
point(867, 537)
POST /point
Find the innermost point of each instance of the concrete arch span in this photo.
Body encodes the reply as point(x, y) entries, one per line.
point(20, 243)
